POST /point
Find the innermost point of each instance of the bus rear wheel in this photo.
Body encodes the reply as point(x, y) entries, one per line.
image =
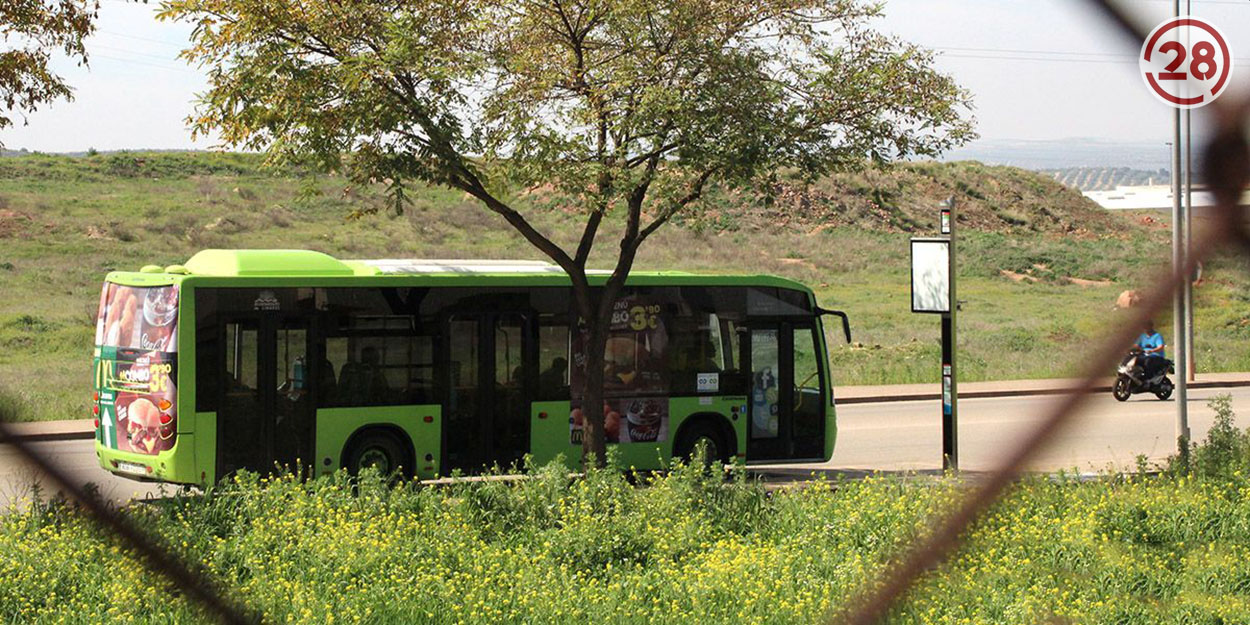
point(706, 435)
point(379, 450)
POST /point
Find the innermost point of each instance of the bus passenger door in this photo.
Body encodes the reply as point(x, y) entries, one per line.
point(242, 432)
point(490, 365)
point(296, 371)
point(785, 392)
point(265, 408)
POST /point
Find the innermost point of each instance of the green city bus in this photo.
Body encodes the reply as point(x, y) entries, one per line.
point(255, 359)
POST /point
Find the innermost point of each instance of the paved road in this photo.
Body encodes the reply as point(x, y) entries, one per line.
point(887, 436)
point(907, 435)
point(75, 457)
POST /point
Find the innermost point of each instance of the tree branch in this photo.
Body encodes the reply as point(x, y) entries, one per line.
point(588, 238)
point(474, 187)
point(696, 191)
point(653, 154)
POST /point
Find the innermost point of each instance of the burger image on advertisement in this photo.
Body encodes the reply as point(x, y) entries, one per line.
point(149, 426)
point(621, 361)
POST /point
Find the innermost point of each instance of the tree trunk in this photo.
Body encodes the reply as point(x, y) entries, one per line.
point(594, 439)
point(595, 307)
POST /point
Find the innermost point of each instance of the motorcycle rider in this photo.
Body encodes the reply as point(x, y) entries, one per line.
point(1151, 344)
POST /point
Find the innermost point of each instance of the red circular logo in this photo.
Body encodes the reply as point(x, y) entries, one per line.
point(1186, 62)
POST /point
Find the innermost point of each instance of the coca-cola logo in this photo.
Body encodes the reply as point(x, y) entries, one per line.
point(147, 343)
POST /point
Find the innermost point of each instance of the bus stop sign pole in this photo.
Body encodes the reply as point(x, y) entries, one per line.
point(950, 405)
point(933, 291)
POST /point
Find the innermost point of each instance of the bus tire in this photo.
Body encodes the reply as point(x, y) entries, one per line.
point(709, 432)
point(380, 449)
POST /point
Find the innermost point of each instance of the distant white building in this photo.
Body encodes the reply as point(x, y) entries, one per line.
point(1150, 197)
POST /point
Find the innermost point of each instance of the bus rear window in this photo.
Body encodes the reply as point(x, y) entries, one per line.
point(138, 317)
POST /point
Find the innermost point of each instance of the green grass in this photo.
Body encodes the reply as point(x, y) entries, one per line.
point(65, 222)
point(684, 549)
point(685, 546)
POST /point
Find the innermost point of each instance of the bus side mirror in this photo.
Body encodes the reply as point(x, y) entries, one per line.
point(846, 322)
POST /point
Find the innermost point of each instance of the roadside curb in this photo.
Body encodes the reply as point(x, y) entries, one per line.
point(49, 431)
point(1102, 387)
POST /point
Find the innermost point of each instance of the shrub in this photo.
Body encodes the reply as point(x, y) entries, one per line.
point(1226, 449)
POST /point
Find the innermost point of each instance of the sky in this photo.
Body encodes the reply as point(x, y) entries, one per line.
point(1040, 71)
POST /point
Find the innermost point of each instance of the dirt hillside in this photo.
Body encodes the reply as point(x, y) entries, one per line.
point(905, 198)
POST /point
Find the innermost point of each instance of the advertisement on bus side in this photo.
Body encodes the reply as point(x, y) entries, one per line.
point(635, 376)
point(136, 371)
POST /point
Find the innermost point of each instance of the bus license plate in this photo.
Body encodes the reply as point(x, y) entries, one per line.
point(132, 467)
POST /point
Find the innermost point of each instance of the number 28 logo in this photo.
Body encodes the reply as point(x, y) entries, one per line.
point(1186, 62)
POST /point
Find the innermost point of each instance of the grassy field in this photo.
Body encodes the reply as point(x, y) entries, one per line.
point(65, 222)
point(686, 548)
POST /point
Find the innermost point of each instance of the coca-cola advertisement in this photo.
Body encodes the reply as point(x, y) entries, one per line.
point(138, 317)
point(626, 420)
point(136, 371)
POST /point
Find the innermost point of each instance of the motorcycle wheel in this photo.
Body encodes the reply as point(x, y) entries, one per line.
point(1165, 389)
point(1121, 389)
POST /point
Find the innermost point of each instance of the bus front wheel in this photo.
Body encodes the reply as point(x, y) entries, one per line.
point(380, 450)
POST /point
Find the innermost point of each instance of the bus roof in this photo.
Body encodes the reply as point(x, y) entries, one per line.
point(279, 264)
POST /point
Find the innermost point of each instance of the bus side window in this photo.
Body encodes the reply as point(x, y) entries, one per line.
point(381, 370)
point(733, 379)
point(696, 346)
point(553, 358)
point(241, 346)
point(206, 368)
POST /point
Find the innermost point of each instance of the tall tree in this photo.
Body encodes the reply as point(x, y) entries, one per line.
point(630, 108)
point(31, 30)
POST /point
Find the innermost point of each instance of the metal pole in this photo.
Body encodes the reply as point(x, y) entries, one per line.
point(1189, 222)
point(1178, 299)
point(950, 384)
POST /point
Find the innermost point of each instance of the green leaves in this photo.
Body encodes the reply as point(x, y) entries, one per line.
point(606, 100)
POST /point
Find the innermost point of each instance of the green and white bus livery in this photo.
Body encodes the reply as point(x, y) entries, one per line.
point(253, 359)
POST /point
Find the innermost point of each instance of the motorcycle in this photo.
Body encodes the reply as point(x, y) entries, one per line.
point(1131, 377)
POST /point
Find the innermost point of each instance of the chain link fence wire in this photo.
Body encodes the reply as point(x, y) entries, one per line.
point(1225, 168)
point(184, 578)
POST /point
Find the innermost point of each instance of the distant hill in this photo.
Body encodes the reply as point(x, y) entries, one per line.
point(108, 165)
point(906, 197)
point(897, 198)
